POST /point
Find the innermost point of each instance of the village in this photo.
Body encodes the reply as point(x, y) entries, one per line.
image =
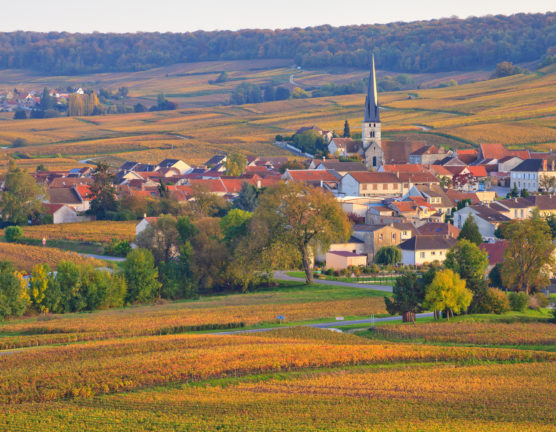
point(396, 193)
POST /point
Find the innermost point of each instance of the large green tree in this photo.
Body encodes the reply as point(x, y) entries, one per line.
point(103, 192)
point(408, 296)
point(470, 231)
point(235, 164)
point(21, 199)
point(388, 255)
point(292, 221)
point(247, 198)
point(141, 276)
point(528, 259)
point(14, 298)
point(471, 263)
point(448, 292)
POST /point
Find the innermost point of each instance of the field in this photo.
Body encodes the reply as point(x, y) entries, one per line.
point(519, 111)
point(155, 368)
point(97, 231)
point(25, 257)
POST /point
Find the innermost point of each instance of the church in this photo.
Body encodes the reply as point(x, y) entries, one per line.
point(373, 154)
point(372, 149)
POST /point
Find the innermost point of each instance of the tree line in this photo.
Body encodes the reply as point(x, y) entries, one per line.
point(420, 46)
point(183, 257)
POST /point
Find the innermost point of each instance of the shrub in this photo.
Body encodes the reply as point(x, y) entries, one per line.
point(388, 255)
point(537, 301)
point(496, 301)
point(117, 248)
point(13, 234)
point(519, 301)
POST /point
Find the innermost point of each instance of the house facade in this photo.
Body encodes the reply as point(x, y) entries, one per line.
point(424, 249)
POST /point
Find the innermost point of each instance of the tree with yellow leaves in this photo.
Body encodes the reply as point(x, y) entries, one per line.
point(447, 292)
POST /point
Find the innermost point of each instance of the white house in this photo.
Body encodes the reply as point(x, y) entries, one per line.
point(144, 224)
point(486, 218)
point(369, 184)
point(178, 164)
point(61, 213)
point(424, 249)
point(529, 174)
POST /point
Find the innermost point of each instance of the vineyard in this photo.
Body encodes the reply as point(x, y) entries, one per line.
point(26, 257)
point(477, 333)
point(517, 110)
point(97, 231)
point(195, 382)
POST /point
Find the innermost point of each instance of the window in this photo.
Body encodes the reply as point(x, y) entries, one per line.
point(385, 186)
point(364, 186)
point(433, 253)
point(440, 253)
point(372, 134)
point(515, 213)
point(521, 213)
point(380, 237)
point(395, 186)
point(422, 254)
point(375, 186)
point(394, 236)
point(374, 160)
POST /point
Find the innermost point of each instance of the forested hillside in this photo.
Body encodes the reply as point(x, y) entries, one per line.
point(422, 46)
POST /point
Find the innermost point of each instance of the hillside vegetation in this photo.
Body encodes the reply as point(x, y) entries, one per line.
point(518, 111)
point(421, 46)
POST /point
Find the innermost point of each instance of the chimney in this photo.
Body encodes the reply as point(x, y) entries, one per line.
point(258, 184)
point(544, 165)
point(144, 215)
point(515, 200)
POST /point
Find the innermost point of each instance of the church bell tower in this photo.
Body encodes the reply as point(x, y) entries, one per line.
point(371, 124)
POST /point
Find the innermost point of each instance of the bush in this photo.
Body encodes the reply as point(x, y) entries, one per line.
point(388, 255)
point(13, 234)
point(19, 142)
point(496, 301)
point(538, 300)
point(117, 248)
point(519, 301)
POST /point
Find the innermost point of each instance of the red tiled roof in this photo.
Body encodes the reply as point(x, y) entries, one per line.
point(52, 208)
point(85, 192)
point(440, 170)
point(312, 175)
point(374, 177)
point(495, 251)
point(436, 228)
point(420, 177)
point(212, 185)
point(477, 170)
point(460, 196)
point(494, 151)
point(408, 168)
point(523, 154)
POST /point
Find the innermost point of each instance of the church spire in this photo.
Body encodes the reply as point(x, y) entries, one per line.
point(371, 102)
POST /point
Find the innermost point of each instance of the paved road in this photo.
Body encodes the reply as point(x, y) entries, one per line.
point(281, 275)
point(332, 324)
point(104, 257)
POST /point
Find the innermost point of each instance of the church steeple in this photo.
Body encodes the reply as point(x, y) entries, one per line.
point(372, 114)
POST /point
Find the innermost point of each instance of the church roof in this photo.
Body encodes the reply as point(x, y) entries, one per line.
point(372, 113)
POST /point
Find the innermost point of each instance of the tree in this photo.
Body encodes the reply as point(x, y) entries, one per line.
point(68, 278)
point(505, 69)
point(299, 93)
point(103, 192)
point(524, 193)
point(235, 164)
point(408, 296)
point(448, 292)
point(282, 93)
point(551, 221)
point(139, 108)
point(22, 195)
point(47, 101)
point(247, 198)
point(528, 258)
point(235, 224)
point(13, 234)
point(204, 203)
point(123, 91)
point(347, 132)
point(547, 183)
point(514, 193)
point(38, 286)
point(293, 220)
point(41, 167)
point(19, 142)
point(388, 255)
point(162, 239)
point(141, 276)
point(20, 114)
point(14, 298)
point(471, 263)
point(470, 231)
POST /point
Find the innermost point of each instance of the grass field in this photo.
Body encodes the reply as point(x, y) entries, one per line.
point(519, 111)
